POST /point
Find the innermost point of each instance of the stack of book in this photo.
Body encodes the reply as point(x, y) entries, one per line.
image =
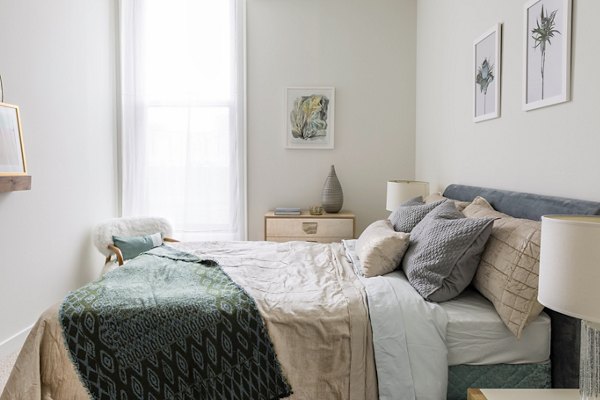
point(287, 211)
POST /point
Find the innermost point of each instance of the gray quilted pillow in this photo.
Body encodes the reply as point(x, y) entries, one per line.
point(445, 250)
point(415, 201)
point(409, 214)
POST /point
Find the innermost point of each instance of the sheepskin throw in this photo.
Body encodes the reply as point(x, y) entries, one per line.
point(103, 234)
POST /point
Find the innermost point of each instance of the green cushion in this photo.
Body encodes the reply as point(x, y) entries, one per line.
point(133, 246)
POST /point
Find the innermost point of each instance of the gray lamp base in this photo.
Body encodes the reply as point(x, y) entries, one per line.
point(589, 367)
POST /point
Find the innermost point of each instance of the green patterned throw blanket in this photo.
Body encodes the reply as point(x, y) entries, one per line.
point(170, 326)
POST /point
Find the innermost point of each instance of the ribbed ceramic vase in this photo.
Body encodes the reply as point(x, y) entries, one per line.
point(332, 197)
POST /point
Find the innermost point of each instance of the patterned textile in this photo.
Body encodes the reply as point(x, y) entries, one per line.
point(445, 249)
point(409, 214)
point(528, 376)
point(509, 271)
point(170, 326)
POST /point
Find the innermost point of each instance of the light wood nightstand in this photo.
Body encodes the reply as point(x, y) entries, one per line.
point(324, 228)
point(523, 394)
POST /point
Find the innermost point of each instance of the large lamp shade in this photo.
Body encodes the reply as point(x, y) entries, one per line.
point(570, 265)
point(399, 191)
point(570, 282)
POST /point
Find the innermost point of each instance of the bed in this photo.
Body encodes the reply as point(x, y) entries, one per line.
point(565, 339)
point(338, 335)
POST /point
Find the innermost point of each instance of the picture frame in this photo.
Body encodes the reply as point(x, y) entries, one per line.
point(310, 117)
point(546, 53)
point(12, 150)
point(487, 74)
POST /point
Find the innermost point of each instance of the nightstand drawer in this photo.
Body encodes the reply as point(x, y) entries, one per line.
point(324, 228)
point(310, 228)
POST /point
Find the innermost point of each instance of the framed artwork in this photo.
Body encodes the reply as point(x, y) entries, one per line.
point(12, 152)
point(546, 53)
point(309, 118)
point(487, 65)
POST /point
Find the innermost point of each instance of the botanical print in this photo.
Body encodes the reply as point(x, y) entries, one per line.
point(309, 117)
point(486, 75)
point(547, 53)
point(542, 35)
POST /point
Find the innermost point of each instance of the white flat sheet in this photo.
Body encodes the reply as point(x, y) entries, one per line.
point(408, 339)
point(476, 335)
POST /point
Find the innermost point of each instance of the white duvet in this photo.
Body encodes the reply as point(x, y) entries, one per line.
point(408, 338)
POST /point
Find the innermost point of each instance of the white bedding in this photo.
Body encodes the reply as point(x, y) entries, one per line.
point(476, 335)
point(415, 341)
point(408, 339)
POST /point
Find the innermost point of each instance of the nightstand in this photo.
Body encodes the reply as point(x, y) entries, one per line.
point(523, 394)
point(324, 228)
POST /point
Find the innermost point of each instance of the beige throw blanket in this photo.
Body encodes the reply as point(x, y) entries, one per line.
point(313, 305)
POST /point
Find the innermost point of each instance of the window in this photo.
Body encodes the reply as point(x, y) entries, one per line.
point(182, 126)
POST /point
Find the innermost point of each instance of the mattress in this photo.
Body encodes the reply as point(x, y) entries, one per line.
point(477, 336)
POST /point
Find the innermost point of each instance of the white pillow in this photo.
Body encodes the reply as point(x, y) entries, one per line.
point(380, 248)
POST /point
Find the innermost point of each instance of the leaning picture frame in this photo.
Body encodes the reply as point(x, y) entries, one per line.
point(309, 117)
point(487, 74)
point(12, 150)
point(546, 53)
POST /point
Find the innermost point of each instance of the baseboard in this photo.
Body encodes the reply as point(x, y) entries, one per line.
point(14, 343)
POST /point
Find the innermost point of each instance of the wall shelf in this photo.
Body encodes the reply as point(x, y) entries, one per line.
point(14, 183)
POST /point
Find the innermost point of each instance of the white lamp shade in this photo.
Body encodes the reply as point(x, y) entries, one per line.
point(570, 265)
point(399, 191)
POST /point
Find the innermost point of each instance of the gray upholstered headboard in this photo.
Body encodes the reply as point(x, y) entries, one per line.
point(565, 330)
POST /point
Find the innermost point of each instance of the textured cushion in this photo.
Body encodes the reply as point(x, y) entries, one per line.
point(445, 249)
point(415, 201)
point(508, 273)
point(433, 197)
point(408, 215)
point(133, 246)
point(380, 248)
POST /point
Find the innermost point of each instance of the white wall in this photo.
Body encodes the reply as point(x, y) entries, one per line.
point(366, 50)
point(57, 60)
point(553, 150)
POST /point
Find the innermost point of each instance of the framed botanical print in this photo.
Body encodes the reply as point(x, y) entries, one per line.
point(309, 118)
point(546, 53)
point(487, 74)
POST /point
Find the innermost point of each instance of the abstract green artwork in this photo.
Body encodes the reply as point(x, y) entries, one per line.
point(310, 118)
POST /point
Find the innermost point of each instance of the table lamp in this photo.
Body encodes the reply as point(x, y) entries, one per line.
point(399, 191)
point(570, 284)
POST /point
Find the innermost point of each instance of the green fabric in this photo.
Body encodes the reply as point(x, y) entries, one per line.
point(133, 246)
point(168, 325)
point(462, 377)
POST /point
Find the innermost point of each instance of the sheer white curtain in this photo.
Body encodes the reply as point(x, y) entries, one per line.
point(182, 115)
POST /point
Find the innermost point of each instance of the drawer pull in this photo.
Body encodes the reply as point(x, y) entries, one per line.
point(310, 228)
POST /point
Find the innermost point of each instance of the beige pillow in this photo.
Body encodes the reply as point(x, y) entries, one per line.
point(509, 268)
point(433, 197)
point(380, 248)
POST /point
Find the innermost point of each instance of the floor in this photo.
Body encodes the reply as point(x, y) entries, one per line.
point(6, 365)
